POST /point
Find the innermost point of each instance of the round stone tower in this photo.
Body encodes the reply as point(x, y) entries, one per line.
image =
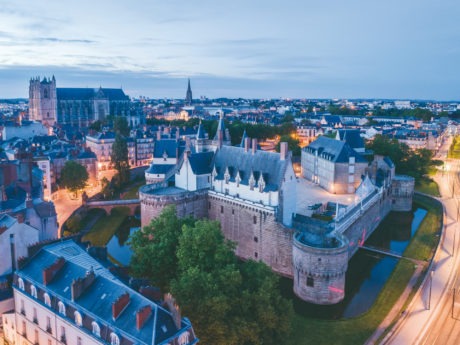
point(319, 268)
point(402, 190)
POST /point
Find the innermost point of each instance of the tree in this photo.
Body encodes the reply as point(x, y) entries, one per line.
point(106, 188)
point(228, 301)
point(120, 126)
point(120, 160)
point(154, 248)
point(74, 176)
point(293, 144)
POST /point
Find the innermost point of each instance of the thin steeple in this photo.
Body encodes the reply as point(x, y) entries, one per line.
point(188, 96)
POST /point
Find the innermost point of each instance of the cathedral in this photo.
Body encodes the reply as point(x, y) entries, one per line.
point(74, 106)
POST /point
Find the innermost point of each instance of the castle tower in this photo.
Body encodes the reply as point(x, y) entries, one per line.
point(188, 96)
point(42, 100)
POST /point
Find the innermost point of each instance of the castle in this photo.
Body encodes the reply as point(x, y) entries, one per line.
point(75, 106)
point(304, 228)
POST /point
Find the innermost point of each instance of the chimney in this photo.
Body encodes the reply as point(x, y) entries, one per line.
point(142, 315)
point(177, 133)
point(247, 144)
point(159, 134)
point(283, 151)
point(79, 285)
point(119, 305)
point(254, 145)
point(50, 272)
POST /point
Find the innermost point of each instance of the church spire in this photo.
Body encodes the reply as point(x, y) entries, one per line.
point(188, 96)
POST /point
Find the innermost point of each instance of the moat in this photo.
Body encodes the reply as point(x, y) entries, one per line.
point(367, 272)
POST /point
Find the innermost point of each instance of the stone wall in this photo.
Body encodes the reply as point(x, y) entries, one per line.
point(255, 230)
point(319, 273)
point(402, 190)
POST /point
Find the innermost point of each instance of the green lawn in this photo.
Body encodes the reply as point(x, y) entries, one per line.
point(424, 242)
point(358, 330)
point(106, 227)
point(131, 192)
point(427, 186)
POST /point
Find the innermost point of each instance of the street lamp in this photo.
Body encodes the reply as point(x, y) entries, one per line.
point(431, 283)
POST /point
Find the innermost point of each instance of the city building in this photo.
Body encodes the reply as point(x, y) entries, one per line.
point(62, 296)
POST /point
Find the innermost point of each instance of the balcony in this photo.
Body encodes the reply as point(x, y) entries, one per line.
point(23, 312)
point(63, 339)
point(35, 320)
point(48, 329)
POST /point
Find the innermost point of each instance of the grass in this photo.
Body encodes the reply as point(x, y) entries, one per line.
point(132, 190)
point(358, 330)
point(106, 227)
point(427, 186)
point(425, 240)
point(80, 222)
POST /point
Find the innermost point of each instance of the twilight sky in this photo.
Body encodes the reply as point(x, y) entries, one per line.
point(238, 48)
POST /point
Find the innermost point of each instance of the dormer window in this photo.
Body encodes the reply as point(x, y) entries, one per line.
point(61, 307)
point(21, 284)
point(114, 340)
point(47, 299)
point(261, 183)
point(78, 319)
point(238, 179)
point(227, 176)
point(96, 329)
point(33, 291)
point(252, 181)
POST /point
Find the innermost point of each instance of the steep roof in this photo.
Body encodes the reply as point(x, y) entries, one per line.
point(333, 150)
point(74, 93)
point(97, 299)
point(352, 137)
point(201, 163)
point(170, 146)
point(261, 162)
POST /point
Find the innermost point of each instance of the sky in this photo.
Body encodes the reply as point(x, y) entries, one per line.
point(401, 49)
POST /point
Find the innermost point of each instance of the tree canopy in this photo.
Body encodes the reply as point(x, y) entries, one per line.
point(228, 301)
point(120, 160)
point(120, 126)
point(74, 176)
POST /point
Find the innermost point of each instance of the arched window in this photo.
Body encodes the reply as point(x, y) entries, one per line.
point(61, 307)
point(33, 291)
point(47, 299)
point(78, 319)
point(21, 284)
point(114, 340)
point(96, 329)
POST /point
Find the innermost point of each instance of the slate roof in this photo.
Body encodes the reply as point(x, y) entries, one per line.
point(333, 150)
point(201, 163)
point(45, 209)
point(200, 134)
point(262, 162)
point(170, 146)
point(160, 168)
point(352, 137)
point(89, 94)
point(96, 301)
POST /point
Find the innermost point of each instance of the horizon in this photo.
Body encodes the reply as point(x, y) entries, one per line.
point(353, 50)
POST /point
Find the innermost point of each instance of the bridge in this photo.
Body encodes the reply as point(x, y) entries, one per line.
point(109, 205)
point(390, 253)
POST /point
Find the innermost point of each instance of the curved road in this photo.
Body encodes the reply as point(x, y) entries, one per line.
point(429, 318)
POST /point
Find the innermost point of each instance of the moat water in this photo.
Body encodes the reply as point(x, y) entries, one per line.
point(367, 272)
point(366, 275)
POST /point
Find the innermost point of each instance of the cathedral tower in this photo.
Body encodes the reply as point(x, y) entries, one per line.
point(42, 100)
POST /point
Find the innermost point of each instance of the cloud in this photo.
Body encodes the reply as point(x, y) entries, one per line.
point(62, 40)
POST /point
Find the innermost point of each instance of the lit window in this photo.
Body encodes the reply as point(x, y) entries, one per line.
point(21, 284)
point(96, 329)
point(78, 319)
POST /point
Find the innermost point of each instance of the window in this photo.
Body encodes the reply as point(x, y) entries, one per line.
point(47, 299)
point(256, 255)
point(114, 340)
point(35, 320)
point(221, 209)
point(63, 339)
point(256, 239)
point(96, 329)
point(23, 310)
point(209, 205)
point(24, 329)
point(310, 281)
point(61, 307)
point(21, 284)
point(78, 341)
point(48, 324)
point(254, 219)
point(33, 291)
point(233, 211)
point(78, 319)
point(36, 336)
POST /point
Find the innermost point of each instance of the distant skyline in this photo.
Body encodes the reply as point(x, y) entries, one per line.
point(251, 49)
